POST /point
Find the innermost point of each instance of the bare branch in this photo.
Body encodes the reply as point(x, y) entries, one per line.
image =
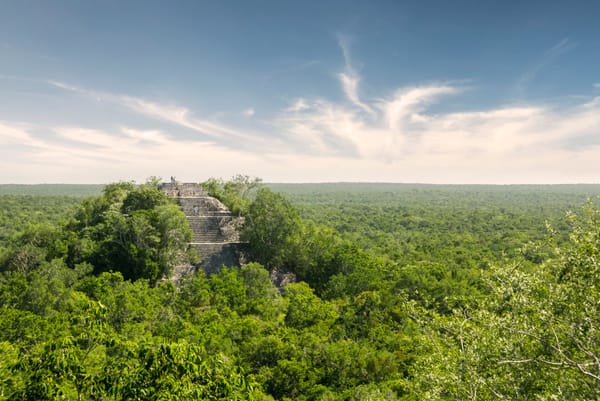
point(515, 361)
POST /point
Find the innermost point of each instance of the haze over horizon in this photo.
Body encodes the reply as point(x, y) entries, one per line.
point(416, 91)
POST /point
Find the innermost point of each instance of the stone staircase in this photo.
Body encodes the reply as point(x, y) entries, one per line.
point(215, 229)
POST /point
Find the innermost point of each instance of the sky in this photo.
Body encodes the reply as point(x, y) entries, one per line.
point(458, 92)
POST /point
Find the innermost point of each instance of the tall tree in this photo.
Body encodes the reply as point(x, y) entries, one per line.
point(270, 223)
point(135, 230)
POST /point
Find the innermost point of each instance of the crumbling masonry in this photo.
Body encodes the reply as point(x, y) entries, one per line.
point(215, 229)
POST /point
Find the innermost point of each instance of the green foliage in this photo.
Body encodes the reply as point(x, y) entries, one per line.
point(554, 318)
point(270, 224)
point(68, 366)
point(236, 193)
point(184, 371)
point(131, 229)
point(435, 241)
point(262, 298)
point(537, 333)
point(18, 212)
point(146, 197)
point(305, 309)
point(404, 293)
point(51, 190)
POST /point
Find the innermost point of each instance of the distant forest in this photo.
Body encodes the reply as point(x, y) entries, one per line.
point(75, 190)
point(402, 292)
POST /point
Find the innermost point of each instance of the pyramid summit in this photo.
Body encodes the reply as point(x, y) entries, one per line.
point(215, 229)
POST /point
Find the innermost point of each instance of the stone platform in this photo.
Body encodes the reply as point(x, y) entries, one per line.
point(215, 229)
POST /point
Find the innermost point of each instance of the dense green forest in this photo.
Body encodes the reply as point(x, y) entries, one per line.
point(403, 292)
point(72, 190)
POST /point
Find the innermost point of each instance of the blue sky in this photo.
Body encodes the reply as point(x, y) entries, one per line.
point(290, 91)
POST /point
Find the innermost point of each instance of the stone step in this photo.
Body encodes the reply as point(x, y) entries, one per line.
point(214, 227)
point(209, 238)
point(214, 256)
point(200, 238)
point(203, 206)
point(206, 225)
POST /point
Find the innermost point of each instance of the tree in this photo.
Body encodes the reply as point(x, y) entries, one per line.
point(235, 193)
point(319, 253)
point(68, 366)
point(8, 379)
point(537, 333)
point(36, 244)
point(182, 371)
point(305, 309)
point(554, 313)
point(262, 298)
point(135, 230)
point(270, 223)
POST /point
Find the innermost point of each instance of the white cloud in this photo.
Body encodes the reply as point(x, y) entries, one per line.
point(298, 105)
point(45, 149)
point(503, 144)
point(91, 137)
point(150, 136)
point(79, 154)
point(308, 64)
point(324, 126)
point(490, 145)
point(174, 114)
point(180, 116)
point(350, 79)
point(15, 133)
point(350, 82)
point(597, 85)
point(549, 57)
point(62, 85)
point(400, 139)
point(249, 112)
point(408, 103)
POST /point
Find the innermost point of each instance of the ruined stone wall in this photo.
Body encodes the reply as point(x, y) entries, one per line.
point(215, 229)
point(176, 189)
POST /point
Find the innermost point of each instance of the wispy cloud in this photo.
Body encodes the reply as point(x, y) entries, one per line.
point(331, 128)
point(399, 132)
point(9, 77)
point(597, 85)
point(249, 112)
point(81, 154)
point(298, 105)
point(153, 137)
point(15, 133)
point(308, 64)
point(550, 56)
point(403, 130)
point(40, 145)
point(395, 137)
point(170, 113)
point(349, 78)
